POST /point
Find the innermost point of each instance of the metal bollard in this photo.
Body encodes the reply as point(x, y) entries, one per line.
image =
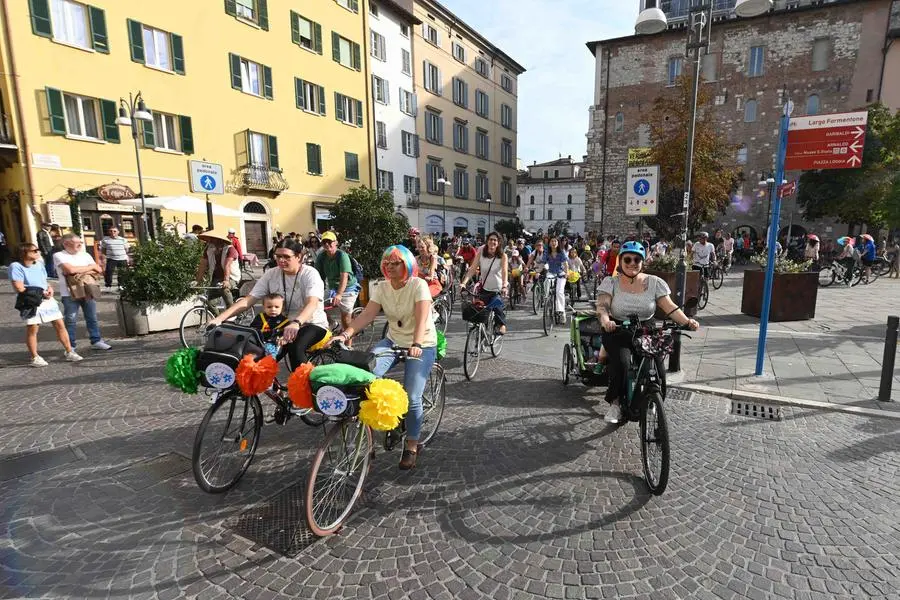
point(887, 363)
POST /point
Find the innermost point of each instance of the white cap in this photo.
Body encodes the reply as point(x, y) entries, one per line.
point(232, 230)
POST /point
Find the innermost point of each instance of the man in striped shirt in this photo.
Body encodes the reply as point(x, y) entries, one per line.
point(113, 255)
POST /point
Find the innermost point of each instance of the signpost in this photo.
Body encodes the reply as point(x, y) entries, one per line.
point(787, 189)
point(826, 141)
point(642, 191)
point(207, 178)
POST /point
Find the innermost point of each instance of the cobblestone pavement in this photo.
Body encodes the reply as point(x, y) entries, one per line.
point(525, 493)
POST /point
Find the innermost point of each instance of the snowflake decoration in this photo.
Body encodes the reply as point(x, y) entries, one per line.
point(215, 379)
point(227, 378)
point(325, 405)
point(338, 404)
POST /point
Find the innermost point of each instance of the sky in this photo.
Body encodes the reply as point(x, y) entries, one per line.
point(548, 38)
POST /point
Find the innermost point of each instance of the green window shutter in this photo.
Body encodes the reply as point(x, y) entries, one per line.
point(231, 8)
point(335, 47)
point(267, 82)
point(187, 134)
point(356, 59)
point(311, 159)
point(136, 41)
point(295, 27)
point(338, 107)
point(320, 168)
point(178, 54)
point(98, 30)
point(359, 114)
point(40, 18)
point(148, 135)
point(273, 151)
point(108, 114)
point(354, 5)
point(56, 112)
point(235, 61)
point(263, 12)
point(317, 37)
point(298, 91)
point(321, 100)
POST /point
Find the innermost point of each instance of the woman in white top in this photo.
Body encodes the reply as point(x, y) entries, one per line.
point(492, 265)
point(406, 302)
point(304, 293)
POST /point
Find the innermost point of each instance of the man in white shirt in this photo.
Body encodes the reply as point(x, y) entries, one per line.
point(704, 253)
point(73, 260)
point(727, 250)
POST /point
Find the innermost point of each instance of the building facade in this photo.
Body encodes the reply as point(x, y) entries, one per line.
point(278, 97)
point(550, 192)
point(465, 102)
point(827, 57)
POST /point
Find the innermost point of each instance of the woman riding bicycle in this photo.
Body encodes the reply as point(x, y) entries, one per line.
point(427, 261)
point(618, 299)
point(536, 262)
point(493, 266)
point(303, 291)
point(558, 264)
point(406, 303)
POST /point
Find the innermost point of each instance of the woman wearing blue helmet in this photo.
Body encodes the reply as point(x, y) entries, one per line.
point(619, 298)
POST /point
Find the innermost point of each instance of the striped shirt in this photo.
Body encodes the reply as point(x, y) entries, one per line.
point(115, 248)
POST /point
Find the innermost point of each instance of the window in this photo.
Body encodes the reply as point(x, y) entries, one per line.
point(379, 49)
point(262, 152)
point(568, 214)
point(351, 5)
point(459, 52)
point(410, 143)
point(245, 9)
point(674, 72)
point(549, 214)
point(373, 9)
point(310, 97)
point(434, 127)
point(709, 64)
point(460, 184)
point(531, 200)
point(250, 77)
point(70, 23)
point(569, 199)
point(345, 52)
point(165, 132)
point(313, 159)
point(380, 90)
point(506, 83)
point(460, 137)
point(812, 105)
point(482, 104)
point(82, 117)
point(506, 116)
point(506, 153)
point(821, 54)
point(550, 199)
point(482, 186)
point(620, 122)
point(411, 185)
point(381, 134)
point(433, 78)
point(742, 155)
point(481, 67)
point(407, 61)
point(404, 30)
point(351, 166)
point(433, 172)
point(518, 201)
point(251, 11)
point(384, 180)
point(505, 192)
point(155, 48)
point(431, 34)
point(460, 92)
point(555, 173)
point(482, 149)
point(546, 173)
point(407, 102)
point(305, 33)
point(757, 56)
point(348, 110)
point(750, 111)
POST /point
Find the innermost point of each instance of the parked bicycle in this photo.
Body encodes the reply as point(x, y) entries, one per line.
point(194, 322)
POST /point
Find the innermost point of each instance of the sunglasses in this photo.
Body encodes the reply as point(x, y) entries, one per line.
point(393, 263)
point(627, 260)
point(284, 256)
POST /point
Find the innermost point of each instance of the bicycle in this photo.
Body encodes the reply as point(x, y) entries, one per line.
point(365, 337)
point(516, 291)
point(537, 289)
point(717, 274)
point(550, 316)
point(194, 322)
point(482, 334)
point(703, 290)
point(835, 271)
point(433, 400)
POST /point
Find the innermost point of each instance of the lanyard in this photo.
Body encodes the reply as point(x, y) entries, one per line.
point(293, 288)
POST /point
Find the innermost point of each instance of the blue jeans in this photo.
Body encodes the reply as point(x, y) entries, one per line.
point(70, 314)
point(415, 376)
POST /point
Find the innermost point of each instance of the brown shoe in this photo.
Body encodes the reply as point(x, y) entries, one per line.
point(408, 459)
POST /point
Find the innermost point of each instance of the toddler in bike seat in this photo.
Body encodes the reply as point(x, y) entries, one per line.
point(270, 322)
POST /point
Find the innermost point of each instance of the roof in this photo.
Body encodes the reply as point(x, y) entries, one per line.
point(403, 11)
point(567, 161)
point(438, 7)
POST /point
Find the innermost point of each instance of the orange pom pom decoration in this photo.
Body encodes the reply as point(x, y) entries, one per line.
point(255, 376)
point(299, 388)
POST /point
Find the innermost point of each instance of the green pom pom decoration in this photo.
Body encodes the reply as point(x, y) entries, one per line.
point(441, 345)
point(181, 370)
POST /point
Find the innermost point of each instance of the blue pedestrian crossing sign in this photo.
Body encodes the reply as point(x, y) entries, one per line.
point(206, 177)
point(642, 191)
point(641, 187)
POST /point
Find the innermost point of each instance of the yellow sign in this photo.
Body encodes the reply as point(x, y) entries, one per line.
point(638, 157)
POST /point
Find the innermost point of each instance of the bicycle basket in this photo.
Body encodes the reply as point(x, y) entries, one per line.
point(224, 348)
point(590, 327)
point(652, 345)
point(475, 312)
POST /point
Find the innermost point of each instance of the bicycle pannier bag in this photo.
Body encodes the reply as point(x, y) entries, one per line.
point(224, 348)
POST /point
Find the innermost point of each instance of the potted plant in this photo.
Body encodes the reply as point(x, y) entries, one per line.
point(794, 289)
point(664, 267)
point(157, 286)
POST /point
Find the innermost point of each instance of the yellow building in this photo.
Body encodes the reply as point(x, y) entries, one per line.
point(276, 92)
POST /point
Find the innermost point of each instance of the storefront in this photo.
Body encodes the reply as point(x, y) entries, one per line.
point(99, 211)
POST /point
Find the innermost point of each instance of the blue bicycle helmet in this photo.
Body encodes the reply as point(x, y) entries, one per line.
point(633, 248)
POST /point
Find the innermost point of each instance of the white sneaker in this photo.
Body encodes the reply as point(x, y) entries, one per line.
point(37, 361)
point(73, 356)
point(613, 414)
point(101, 345)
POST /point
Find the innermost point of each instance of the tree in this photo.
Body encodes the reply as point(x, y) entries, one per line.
point(366, 218)
point(559, 228)
point(869, 194)
point(715, 173)
point(509, 228)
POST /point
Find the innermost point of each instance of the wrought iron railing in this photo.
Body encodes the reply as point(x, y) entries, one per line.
point(5, 131)
point(412, 201)
point(261, 177)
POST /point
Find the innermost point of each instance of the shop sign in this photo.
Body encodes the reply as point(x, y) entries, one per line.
point(113, 192)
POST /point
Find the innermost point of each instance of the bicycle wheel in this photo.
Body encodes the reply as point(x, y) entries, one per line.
point(566, 365)
point(193, 326)
point(496, 344)
point(364, 339)
point(655, 444)
point(337, 476)
point(548, 319)
point(703, 297)
point(433, 399)
point(512, 297)
point(443, 315)
point(826, 276)
point(856, 277)
point(472, 353)
point(718, 278)
point(226, 441)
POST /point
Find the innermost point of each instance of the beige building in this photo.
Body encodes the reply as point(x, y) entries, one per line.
point(465, 104)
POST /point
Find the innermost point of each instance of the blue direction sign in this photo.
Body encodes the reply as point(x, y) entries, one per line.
point(206, 177)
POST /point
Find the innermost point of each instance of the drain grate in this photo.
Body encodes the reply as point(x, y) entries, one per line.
point(279, 523)
point(756, 409)
point(679, 395)
point(147, 473)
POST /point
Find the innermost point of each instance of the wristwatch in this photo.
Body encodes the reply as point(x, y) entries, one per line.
point(297, 321)
point(416, 345)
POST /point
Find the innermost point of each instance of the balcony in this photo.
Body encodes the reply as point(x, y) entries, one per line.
point(6, 137)
point(412, 201)
point(258, 178)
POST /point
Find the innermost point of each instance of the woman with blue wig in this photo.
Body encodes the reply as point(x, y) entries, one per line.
point(406, 302)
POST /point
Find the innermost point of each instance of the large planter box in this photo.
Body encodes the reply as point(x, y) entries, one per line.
point(793, 295)
point(135, 320)
point(691, 289)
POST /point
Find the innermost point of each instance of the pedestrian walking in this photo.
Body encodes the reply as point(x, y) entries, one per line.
point(45, 245)
point(196, 230)
point(113, 255)
point(236, 242)
point(78, 288)
point(894, 255)
point(220, 258)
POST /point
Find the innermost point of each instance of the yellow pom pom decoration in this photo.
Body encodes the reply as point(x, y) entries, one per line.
point(515, 273)
point(320, 344)
point(386, 401)
point(573, 276)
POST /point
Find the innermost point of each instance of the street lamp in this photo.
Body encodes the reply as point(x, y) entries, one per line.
point(767, 180)
point(129, 113)
point(653, 20)
point(444, 183)
point(487, 198)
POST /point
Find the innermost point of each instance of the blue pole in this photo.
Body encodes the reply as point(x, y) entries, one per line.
point(772, 239)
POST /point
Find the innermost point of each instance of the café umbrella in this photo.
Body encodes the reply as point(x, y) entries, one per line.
point(184, 203)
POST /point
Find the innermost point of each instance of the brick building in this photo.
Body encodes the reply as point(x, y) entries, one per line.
point(827, 57)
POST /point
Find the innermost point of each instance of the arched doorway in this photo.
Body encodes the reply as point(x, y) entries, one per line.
point(748, 236)
point(256, 229)
point(434, 224)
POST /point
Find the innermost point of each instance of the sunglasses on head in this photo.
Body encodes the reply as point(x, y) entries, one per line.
point(627, 260)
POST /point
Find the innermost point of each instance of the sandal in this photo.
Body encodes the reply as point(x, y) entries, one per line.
point(408, 459)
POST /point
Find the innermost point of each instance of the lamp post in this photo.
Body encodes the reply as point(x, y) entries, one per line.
point(444, 183)
point(487, 199)
point(653, 20)
point(129, 113)
point(767, 180)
